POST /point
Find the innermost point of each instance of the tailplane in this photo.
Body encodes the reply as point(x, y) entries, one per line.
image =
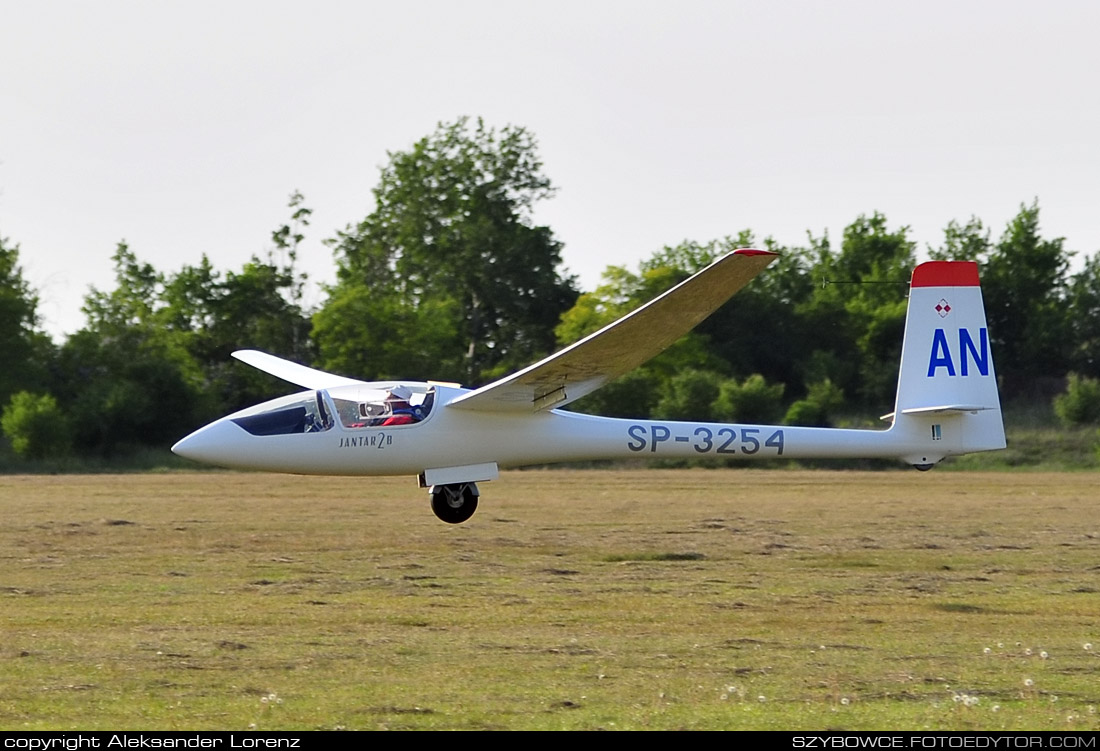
point(947, 388)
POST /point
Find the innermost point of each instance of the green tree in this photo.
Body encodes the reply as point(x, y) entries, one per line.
point(1041, 322)
point(291, 285)
point(367, 335)
point(258, 307)
point(637, 394)
point(131, 303)
point(620, 291)
point(1079, 404)
point(1084, 318)
point(26, 349)
point(1024, 283)
point(690, 395)
point(873, 261)
point(451, 235)
point(760, 331)
point(858, 310)
point(963, 242)
point(36, 426)
point(126, 378)
point(753, 400)
point(816, 410)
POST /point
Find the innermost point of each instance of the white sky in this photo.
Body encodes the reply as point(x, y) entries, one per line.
point(183, 127)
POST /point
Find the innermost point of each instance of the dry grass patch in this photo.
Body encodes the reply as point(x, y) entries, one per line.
point(590, 599)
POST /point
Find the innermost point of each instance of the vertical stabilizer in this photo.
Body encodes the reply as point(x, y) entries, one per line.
point(947, 387)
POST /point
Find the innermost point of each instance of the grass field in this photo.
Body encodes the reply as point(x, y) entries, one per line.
point(697, 599)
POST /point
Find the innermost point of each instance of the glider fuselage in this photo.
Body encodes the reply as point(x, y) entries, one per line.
point(512, 439)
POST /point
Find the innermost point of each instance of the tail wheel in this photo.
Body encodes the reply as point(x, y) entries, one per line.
point(454, 504)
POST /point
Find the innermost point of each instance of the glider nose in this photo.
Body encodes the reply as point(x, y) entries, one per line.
point(212, 444)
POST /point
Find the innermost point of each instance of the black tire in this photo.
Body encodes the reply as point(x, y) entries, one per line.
point(454, 504)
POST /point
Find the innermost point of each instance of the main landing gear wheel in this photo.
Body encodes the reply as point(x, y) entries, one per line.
point(454, 504)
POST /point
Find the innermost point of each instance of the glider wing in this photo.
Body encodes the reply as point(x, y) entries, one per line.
point(311, 378)
point(619, 347)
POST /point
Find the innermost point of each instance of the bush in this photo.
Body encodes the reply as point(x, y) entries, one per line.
point(36, 426)
point(689, 396)
point(807, 414)
point(752, 401)
point(1080, 404)
point(816, 410)
point(632, 396)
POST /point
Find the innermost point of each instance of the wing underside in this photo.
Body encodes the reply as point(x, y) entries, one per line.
point(622, 346)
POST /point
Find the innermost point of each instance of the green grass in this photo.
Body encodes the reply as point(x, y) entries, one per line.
point(806, 600)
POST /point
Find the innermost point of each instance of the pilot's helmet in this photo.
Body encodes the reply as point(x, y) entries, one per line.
point(403, 393)
point(398, 397)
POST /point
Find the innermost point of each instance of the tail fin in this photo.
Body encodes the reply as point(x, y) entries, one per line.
point(947, 388)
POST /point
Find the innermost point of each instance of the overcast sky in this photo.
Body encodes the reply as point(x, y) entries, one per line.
point(183, 127)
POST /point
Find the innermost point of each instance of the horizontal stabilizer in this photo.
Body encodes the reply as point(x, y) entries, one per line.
point(944, 409)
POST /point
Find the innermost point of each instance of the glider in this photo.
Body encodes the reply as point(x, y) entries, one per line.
point(452, 438)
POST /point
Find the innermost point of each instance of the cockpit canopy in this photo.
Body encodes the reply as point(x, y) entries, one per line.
point(369, 407)
point(376, 405)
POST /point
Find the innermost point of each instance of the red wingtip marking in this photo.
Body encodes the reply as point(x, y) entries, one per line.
point(946, 274)
point(753, 252)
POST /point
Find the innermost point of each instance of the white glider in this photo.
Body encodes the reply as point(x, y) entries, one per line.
point(451, 438)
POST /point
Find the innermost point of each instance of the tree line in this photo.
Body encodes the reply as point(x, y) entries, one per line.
point(448, 277)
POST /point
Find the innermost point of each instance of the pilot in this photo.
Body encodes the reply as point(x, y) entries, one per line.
point(402, 412)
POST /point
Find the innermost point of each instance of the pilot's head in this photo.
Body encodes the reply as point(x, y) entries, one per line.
point(398, 398)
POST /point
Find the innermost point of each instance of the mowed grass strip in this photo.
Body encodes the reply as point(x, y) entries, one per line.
point(699, 599)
